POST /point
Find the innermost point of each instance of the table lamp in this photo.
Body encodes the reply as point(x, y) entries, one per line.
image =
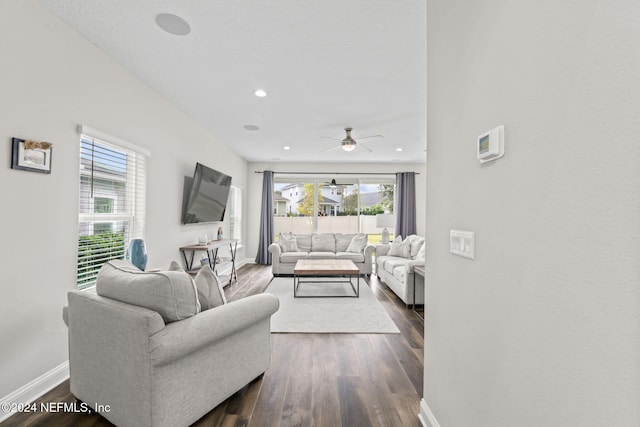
point(385, 220)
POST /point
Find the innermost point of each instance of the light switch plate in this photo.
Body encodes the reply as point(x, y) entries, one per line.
point(462, 243)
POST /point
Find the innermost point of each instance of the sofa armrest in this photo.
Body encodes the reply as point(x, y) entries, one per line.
point(186, 336)
point(275, 249)
point(368, 251)
point(414, 263)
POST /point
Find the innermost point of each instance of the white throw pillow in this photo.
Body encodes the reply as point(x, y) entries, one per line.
point(416, 243)
point(288, 243)
point(210, 292)
point(357, 244)
point(420, 255)
point(399, 248)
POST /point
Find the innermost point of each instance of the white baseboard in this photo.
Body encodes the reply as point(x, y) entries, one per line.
point(426, 416)
point(30, 392)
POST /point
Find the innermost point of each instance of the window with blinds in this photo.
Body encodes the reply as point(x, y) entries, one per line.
point(235, 213)
point(112, 201)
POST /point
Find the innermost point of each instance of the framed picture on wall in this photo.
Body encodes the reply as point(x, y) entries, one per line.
point(31, 155)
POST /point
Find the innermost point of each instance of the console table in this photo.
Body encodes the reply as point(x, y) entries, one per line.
point(211, 248)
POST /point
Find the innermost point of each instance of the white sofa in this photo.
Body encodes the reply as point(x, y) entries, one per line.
point(320, 246)
point(394, 266)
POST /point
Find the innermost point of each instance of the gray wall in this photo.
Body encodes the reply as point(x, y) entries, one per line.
point(51, 80)
point(543, 327)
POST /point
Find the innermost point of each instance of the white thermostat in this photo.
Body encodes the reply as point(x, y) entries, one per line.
point(491, 145)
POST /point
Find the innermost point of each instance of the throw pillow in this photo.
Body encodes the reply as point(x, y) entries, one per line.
point(416, 243)
point(358, 243)
point(399, 248)
point(172, 294)
point(210, 292)
point(421, 253)
point(288, 243)
point(174, 266)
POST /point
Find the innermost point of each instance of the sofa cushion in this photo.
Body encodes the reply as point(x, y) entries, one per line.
point(343, 241)
point(210, 291)
point(400, 249)
point(323, 242)
point(304, 242)
point(358, 242)
point(322, 255)
point(292, 257)
point(393, 262)
point(400, 273)
point(350, 255)
point(172, 294)
point(288, 243)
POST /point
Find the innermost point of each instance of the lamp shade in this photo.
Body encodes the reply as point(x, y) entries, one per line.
point(385, 220)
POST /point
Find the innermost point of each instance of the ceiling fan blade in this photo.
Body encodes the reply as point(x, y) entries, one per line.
point(327, 137)
point(365, 146)
point(370, 136)
point(332, 148)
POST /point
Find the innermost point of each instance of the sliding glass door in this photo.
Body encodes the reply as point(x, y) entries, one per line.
point(331, 204)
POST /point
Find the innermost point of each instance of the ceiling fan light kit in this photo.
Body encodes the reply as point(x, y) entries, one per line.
point(350, 144)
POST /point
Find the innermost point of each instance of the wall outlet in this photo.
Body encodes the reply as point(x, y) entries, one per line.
point(462, 243)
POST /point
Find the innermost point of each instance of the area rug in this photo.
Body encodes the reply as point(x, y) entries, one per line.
point(363, 315)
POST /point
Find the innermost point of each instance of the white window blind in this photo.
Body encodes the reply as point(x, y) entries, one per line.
point(235, 213)
point(112, 201)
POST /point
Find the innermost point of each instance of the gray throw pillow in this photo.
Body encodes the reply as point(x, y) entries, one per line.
point(210, 292)
point(288, 243)
point(172, 294)
point(357, 244)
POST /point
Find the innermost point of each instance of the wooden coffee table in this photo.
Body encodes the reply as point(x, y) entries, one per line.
point(332, 268)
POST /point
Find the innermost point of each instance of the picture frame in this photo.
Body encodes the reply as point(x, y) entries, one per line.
point(31, 156)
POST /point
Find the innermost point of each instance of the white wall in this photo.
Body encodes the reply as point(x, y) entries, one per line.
point(254, 188)
point(543, 327)
point(52, 79)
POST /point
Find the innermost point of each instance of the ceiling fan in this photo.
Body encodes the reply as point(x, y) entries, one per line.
point(334, 184)
point(350, 144)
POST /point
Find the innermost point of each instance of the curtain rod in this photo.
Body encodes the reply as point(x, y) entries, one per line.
point(335, 173)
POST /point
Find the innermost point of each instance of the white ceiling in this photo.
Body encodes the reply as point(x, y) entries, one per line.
point(326, 65)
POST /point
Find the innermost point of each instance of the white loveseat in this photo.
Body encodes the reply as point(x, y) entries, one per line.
point(292, 247)
point(394, 266)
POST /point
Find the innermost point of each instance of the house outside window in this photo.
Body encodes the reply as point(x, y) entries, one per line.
point(350, 207)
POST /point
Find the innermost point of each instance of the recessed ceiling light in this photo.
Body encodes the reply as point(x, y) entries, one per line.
point(260, 93)
point(251, 127)
point(286, 147)
point(173, 24)
point(399, 149)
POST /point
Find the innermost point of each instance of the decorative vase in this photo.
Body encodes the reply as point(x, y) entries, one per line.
point(137, 253)
point(219, 233)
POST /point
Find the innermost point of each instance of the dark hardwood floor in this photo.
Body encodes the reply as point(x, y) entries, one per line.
point(330, 380)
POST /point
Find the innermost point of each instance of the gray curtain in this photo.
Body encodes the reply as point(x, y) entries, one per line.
point(405, 206)
point(266, 219)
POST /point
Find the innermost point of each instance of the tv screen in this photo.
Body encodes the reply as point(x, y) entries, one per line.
point(207, 198)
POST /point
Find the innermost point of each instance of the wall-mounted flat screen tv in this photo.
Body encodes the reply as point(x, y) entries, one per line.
point(206, 200)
